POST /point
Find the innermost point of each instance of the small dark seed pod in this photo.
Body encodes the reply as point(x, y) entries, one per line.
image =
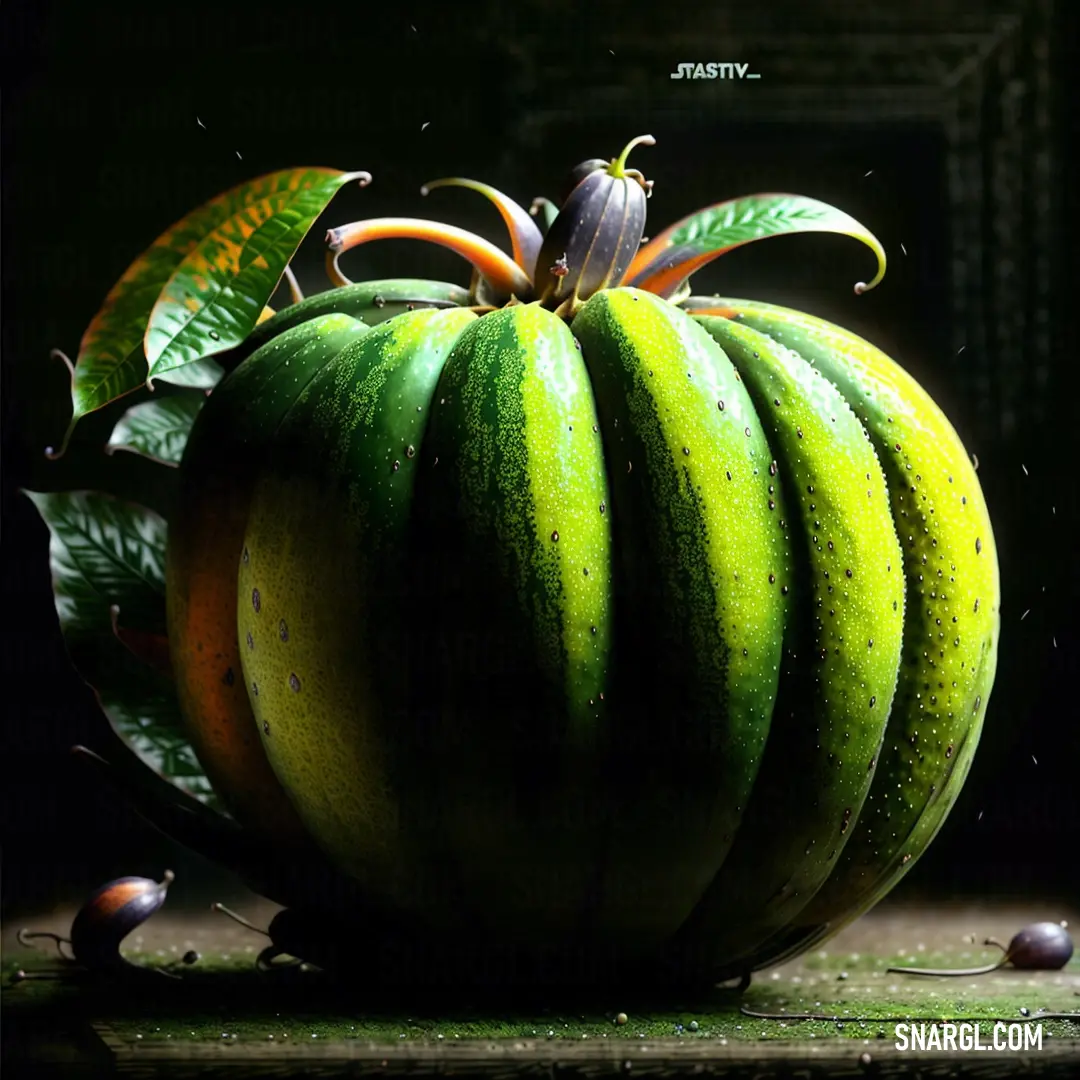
point(110, 914)
point(1044, 946)
point(595, 236)
point(292, 934)
point(579, 172)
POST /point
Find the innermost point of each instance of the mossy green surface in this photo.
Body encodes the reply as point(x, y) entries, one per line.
point(223, 997)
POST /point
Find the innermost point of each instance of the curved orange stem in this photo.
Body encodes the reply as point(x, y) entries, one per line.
point(525, 236)
point(494, 265)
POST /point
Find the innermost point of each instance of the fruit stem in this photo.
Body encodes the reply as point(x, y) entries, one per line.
point(237, 918)
point(294, 285)
point(618, 167)
point(956, 971)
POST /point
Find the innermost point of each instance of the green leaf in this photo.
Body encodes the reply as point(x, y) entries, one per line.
point(104, 553)
point(545, 212)
point(142, 706)
point(667, 261)
point(217, 293)
point(111, 362)
point(201, 375)
point(157, 429)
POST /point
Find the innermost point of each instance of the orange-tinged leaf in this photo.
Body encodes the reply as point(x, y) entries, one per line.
point(216, 295)
point(664, 264)
point(111, 363)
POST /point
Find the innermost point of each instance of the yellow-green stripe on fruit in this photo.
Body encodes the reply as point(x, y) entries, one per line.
point(951, 622)
point(701, 590)
point(828, 728)
point(226, 447)
point(323, 598)
point(513, 498)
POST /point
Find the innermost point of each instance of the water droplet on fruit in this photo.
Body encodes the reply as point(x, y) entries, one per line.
point(255, 688)
point(555, 535)
point(772, 579)
point(603, 507)
point(250, 641)
point(978, 546)
point(720, 405)
point(410, 451)
point(246, 557)
point(256, 600)
point(215, 335)
point(283, 630)
point(845, 821)
point(294, 682)
point(266, 727)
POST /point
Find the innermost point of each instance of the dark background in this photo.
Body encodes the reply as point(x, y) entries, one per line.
point(943, 129)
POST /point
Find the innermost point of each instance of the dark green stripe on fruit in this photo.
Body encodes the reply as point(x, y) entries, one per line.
point(704, 574)
point(951, 620)
point(515, 428)
point(828, 728)
point(372, 301)
point(514, 500)
point(326, 605)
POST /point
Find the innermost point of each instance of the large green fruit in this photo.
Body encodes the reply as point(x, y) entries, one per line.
point(582, 618)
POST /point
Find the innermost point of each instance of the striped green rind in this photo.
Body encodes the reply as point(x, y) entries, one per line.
point(951, 622)
point(513, 501)
point(228, 440)
point(841, 672)
point(701, 582)
point(371, 301)
point(323, 592)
